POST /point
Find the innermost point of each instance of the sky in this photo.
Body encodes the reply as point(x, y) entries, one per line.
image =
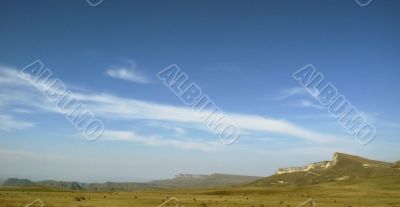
point(242, 55)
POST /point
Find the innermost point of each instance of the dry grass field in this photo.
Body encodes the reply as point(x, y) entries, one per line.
point(374, 193)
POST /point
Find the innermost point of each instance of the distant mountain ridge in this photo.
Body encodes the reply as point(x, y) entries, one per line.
point(180, 181)
point(64, 185)
point(118, 186)
point(343, 167)
point(204, 181)
point(60, 185)
point(15, 182)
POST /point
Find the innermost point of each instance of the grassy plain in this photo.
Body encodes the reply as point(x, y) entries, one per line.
point(379, 192)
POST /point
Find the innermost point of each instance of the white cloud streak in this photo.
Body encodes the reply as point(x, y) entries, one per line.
point(111, 106)
point(306, 98)
point(116, 135)
point(295, 91)
point(9, 123)
point(125, 109)
point(310, 104)
point(130, 73)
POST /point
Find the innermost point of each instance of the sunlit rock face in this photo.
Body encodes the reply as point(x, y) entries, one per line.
point(312, 166)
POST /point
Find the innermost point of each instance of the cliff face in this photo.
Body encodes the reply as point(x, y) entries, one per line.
point(342, 168)
point(340, 160)
point(312, 166)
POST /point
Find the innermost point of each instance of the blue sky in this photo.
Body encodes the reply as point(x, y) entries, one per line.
point(241, 54)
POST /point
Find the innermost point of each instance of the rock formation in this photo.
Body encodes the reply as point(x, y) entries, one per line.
point(312, 166)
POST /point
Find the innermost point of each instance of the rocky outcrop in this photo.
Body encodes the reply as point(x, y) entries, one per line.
point(344, 159)
point(319, 165)
point(342, 168)
point(291, 170)
point(312, 166)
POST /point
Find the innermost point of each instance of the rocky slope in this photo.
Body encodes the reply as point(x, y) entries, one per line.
point(343, 167)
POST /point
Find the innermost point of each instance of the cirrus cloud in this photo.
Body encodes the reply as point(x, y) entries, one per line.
point(128, 73)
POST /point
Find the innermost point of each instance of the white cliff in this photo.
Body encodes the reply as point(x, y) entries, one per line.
point(312, 166)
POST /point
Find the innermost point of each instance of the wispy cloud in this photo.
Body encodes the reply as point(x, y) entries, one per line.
point(178, 130)
point(8, 123)
point(261, 139)
point(289, 92)
point(310, 104)
point(18, 154)
point(299, 97)
point(376, 119)
point(111, 107)
point(112, 135)
point(129, 73)
point(22, 111)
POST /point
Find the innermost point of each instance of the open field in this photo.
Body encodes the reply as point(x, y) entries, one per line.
point(376, 193)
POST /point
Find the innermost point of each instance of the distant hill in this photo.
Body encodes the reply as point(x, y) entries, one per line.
point(114, 186)
point(60, 185)
point(63, 185)
point(15, 182)
point(180, 181)
point(205, 181)
point(343, 168)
